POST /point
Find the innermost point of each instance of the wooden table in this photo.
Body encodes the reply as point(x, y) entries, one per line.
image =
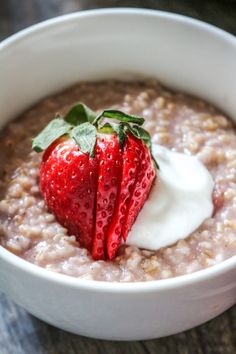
point(21, 333)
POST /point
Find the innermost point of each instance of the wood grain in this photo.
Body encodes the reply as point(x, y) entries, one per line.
point(21, 333)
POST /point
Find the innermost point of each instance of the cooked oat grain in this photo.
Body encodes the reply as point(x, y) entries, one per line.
point(178, 121)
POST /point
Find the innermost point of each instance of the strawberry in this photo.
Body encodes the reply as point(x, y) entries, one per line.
point(95, 175)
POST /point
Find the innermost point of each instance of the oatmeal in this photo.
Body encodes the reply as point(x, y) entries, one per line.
point(177, 121)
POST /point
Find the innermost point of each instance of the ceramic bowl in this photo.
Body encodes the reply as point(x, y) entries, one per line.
point(184, 54)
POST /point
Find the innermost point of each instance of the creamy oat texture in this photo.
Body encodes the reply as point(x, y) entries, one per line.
point(177, 121)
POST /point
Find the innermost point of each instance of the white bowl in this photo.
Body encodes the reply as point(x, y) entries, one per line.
point(183, 53)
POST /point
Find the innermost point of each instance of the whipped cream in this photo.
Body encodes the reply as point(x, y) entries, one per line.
point(178, 203)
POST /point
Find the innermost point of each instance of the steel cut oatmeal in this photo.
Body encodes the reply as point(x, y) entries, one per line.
point(177, 121)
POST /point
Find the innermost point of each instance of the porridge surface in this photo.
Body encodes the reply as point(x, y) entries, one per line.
point(178, 121)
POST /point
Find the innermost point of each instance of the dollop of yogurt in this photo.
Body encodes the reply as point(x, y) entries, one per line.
point(177, 205)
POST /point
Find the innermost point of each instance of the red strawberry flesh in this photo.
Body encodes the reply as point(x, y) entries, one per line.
point(69, 185)
point(143, 184)
point(129, 172)
point(110, 166)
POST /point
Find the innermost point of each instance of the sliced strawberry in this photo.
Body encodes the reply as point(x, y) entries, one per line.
point(110, 167)
point(68, 181)
point(95, 184)
point(143, 184)
point(131, 160)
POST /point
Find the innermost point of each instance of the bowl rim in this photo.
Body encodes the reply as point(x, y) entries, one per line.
point(117, 287)
point(44, 25)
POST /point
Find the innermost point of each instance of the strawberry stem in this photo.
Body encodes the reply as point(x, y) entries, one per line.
point(106, 129)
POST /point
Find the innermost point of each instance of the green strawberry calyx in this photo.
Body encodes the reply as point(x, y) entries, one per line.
point(82, 125)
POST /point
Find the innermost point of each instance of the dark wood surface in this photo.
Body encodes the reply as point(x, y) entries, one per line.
point(21, 333)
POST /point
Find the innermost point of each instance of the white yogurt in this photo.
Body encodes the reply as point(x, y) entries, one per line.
point(177, 205)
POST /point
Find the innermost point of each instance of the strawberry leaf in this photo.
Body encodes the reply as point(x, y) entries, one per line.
point(80, 114)
point(85, 137)
point(54, 130)
point(142, 134)
point(120, 116)
point(82, 124)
